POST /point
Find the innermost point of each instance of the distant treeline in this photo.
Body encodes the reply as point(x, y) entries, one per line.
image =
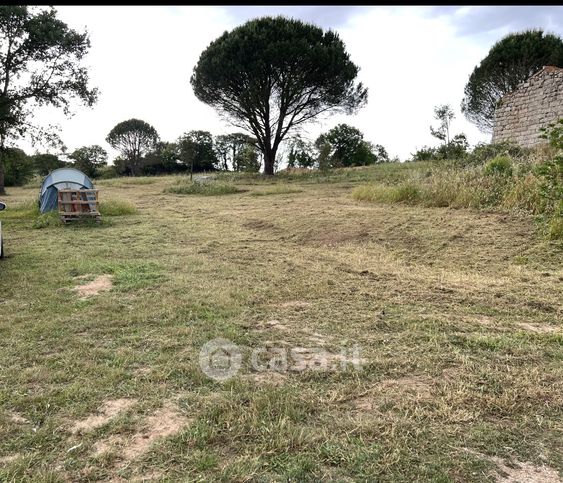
point(142, 153)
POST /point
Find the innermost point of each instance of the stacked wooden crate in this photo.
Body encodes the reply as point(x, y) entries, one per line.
point(76, 204)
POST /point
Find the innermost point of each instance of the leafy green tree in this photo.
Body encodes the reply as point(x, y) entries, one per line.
point(509, 62)
point(273, 74)
point(18, 167)
point(381, 155)
point(457, 148)
point(228, 146)
point(301, 154)
point(426, 153)
point(89, 159)
point(324, 149)
point(247, 159)
point(164, 158)
point(45, 163)
point(445, 115)
point(133, 139)
point(39, 66)
point(347, 147)
point(196, 151)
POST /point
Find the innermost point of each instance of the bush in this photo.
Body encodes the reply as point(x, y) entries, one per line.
point(425, 153)
point(107, 172)
point(500, 165)
point(484, 152)
point(45, 220)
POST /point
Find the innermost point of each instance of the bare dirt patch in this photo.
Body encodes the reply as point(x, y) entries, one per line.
point(18, 419)
point(525, 473)
point(8, 459)
point(102, 283)
point(108, 444)
point(107, 411)
point(163, 423)
point(519, 472)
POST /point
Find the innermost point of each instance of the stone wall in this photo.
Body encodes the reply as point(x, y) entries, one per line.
point(532, 105)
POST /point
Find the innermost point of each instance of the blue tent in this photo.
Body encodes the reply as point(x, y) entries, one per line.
point(60, 179)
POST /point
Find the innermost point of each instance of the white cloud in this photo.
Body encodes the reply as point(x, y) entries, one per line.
point(142, 58)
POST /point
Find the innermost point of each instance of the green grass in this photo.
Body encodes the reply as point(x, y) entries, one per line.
point(402, 193)
point(116, 207)
point(183, 187)
point(457, 313)
point(497, 185)
point(126, 181)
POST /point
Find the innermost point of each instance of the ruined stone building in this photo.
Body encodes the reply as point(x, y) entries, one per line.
point(532, 105)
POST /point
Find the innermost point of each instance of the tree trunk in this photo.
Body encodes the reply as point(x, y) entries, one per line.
point(2, 190)
point(269, 161)
point(2, 152)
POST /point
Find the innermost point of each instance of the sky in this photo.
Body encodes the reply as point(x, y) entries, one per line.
point(410, 58)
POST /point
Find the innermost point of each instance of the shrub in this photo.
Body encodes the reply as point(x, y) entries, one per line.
point(44, 220)
point(484, 152)
point(425, 153)
point(500, 165)
point(107, 172)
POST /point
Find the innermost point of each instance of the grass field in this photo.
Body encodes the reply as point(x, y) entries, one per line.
point(457, 314)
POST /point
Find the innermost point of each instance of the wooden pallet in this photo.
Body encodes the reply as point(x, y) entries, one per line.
point(79, 204)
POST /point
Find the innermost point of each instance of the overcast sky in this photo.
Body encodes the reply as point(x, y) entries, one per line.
point(410, 58)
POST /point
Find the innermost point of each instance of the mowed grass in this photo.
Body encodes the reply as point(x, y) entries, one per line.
point(457, 313)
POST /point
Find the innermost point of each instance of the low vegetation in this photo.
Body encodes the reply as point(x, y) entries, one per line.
point(116, 207)
point(207, 188)
point(457, 313)
point(516, 180)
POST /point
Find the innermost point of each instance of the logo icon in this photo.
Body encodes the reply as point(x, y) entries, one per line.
point(220, 359)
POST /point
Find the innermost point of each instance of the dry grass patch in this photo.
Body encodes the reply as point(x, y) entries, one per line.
point(101, 283)
point(522, 472)
point(108, 411)
point(266, 378)
point(164, 422)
